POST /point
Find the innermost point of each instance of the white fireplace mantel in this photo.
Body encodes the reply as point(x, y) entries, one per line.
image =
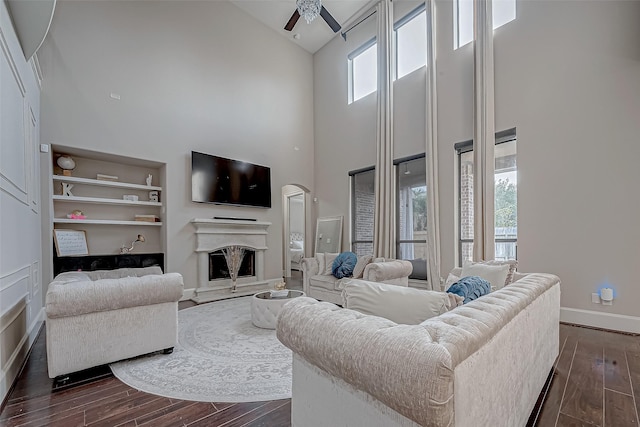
point(215, 234)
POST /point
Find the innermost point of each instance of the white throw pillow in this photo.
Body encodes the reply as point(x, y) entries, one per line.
point(512, 263)
point(399, 304)
point(494, 274)
point(328, 259)
point(321, 263)
point(296, 244)
point(451, 279)
point(363, 261)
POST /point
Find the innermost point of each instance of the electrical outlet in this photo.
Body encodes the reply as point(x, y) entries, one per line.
point(595, 298)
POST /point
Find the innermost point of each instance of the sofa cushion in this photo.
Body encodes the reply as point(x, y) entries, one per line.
point(399, 304)
point(383, 271)
point(494, 274)
point(73, 276)
point(66, 299)
point(363, 261)
point(324, 282)
point(344, 264)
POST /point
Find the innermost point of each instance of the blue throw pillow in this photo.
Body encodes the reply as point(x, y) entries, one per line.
point(470, 288)
point(344, 264)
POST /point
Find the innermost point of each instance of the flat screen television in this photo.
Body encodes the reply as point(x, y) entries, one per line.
point(229, 182)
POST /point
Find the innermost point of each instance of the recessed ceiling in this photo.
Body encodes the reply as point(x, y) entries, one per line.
point(312, 36)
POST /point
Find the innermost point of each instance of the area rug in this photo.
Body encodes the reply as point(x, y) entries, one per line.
point(220, 357)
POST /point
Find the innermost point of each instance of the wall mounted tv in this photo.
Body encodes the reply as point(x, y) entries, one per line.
point(229, 182)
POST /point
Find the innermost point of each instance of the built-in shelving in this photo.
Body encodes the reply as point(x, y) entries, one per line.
point(114, 184)
point(103, 201)
point(109, 218)
point(104, 222)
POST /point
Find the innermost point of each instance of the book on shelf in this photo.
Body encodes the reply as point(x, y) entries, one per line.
point(147, 218)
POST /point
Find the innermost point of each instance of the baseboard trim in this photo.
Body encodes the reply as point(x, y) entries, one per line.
point(616, 322)
point(187, 294)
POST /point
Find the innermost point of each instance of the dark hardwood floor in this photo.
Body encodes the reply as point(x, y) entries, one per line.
point(596, 383)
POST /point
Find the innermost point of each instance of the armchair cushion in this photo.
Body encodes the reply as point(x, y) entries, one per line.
point(399, 304)
point(328, 266)
point(325, 282)
point(363, 261)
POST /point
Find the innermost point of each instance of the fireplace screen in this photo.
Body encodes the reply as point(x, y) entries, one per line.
point(218, 265)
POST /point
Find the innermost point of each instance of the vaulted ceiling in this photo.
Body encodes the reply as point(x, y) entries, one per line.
point(312, 36)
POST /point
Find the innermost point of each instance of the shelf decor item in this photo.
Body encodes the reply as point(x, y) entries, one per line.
point(127, 250)
point(233, 255)
point(66, 189)
point(149, 179)
point(67, 164)
point(153, 196)
point(77, 214)
point(70, 242)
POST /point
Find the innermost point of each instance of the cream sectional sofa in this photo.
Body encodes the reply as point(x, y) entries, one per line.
point(99, 317)
point(323, 286)
point(480, 364)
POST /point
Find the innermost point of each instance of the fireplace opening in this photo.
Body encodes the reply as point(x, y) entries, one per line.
point(218, 265)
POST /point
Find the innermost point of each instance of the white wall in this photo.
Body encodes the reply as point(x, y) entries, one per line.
point(20, 247)
point(200, 76)
point(567, 78)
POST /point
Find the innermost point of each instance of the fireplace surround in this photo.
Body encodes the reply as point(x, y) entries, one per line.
point(214, 234)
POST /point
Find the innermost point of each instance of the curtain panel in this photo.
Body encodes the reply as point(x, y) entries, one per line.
point(384, 237)
point(431, 156)
point(484, 133)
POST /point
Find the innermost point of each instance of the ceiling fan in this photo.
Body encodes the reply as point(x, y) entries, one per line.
point(335, 27)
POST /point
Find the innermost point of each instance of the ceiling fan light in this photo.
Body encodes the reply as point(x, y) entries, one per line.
point(309, 9)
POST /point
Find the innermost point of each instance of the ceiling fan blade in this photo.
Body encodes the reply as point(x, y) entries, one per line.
point(330, 20)
point(292, 21)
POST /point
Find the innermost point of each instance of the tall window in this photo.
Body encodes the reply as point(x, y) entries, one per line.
point(506, 197)
point(503, 11)
point(363, 71)
point(362, 208)
point(411, 41)
point(411, 207)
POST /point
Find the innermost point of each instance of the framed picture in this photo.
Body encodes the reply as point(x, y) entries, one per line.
point(70, 242)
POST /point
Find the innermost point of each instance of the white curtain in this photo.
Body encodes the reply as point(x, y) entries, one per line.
point(431, 156)
point(484, 133)
point(384, 242)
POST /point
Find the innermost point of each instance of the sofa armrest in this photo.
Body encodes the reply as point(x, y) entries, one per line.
point(356, 348)
point(66, 299)
point(310, 267)
point(392, 272)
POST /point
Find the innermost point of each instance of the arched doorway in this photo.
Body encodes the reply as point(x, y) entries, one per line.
point(296, 236)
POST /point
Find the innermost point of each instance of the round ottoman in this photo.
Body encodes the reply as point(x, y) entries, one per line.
point(265, 309)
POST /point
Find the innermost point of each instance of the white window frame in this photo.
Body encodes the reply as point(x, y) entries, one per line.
point(399, 24)
point(456, 23)
point(350, 58)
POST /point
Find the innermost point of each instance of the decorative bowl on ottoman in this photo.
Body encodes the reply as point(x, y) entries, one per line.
point(265, 307)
